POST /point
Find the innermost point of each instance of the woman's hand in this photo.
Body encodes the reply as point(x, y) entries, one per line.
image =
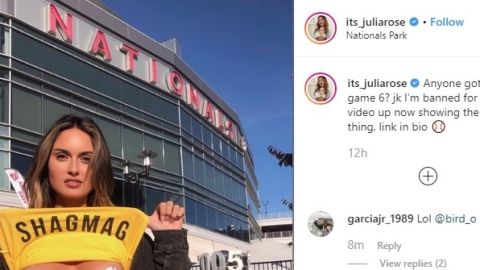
point(167, 216)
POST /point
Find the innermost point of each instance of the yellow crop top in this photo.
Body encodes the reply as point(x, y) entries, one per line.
point(34, 236)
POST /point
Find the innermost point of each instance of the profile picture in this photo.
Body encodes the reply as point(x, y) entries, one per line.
point(320, 27)
point(320, 224)
point(320, 88)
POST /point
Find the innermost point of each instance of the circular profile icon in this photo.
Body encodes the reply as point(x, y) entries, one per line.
point(320, 88)
point(320, 224)
point(320, 27)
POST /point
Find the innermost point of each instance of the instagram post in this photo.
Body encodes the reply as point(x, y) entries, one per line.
point(391, 158)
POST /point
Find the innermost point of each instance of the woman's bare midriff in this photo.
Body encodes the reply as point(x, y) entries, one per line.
point(85, 265)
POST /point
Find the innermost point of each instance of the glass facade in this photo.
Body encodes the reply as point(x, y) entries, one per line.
point(3, 35)
point(3, 100)
point(4, 73)
point(196, 166)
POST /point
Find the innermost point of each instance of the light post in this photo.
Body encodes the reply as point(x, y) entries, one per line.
point(133, 178)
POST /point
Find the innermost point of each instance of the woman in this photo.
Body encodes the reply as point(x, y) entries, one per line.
point(321, 91)
point(71, 172)
point(321, 32)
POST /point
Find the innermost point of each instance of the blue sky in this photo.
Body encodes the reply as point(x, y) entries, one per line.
point(244, 50)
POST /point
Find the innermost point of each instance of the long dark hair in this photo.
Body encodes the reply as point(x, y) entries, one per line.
point(318, 26)
point(325, 83)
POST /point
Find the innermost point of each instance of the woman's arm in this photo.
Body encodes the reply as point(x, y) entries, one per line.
point(169, 251)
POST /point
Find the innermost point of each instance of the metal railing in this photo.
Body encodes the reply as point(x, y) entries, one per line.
point(280, 215)
point(279, 234)
point(275, 265)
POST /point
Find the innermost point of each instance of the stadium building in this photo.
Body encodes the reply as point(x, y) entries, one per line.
point(76, 56)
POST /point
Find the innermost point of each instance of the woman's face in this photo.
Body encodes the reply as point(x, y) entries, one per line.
point(321, 21)
point(321, 82)
point(68, 168)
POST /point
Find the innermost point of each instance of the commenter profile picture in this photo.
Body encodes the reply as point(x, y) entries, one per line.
point(320, 88)
point(320, 27)
point(320, 224)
